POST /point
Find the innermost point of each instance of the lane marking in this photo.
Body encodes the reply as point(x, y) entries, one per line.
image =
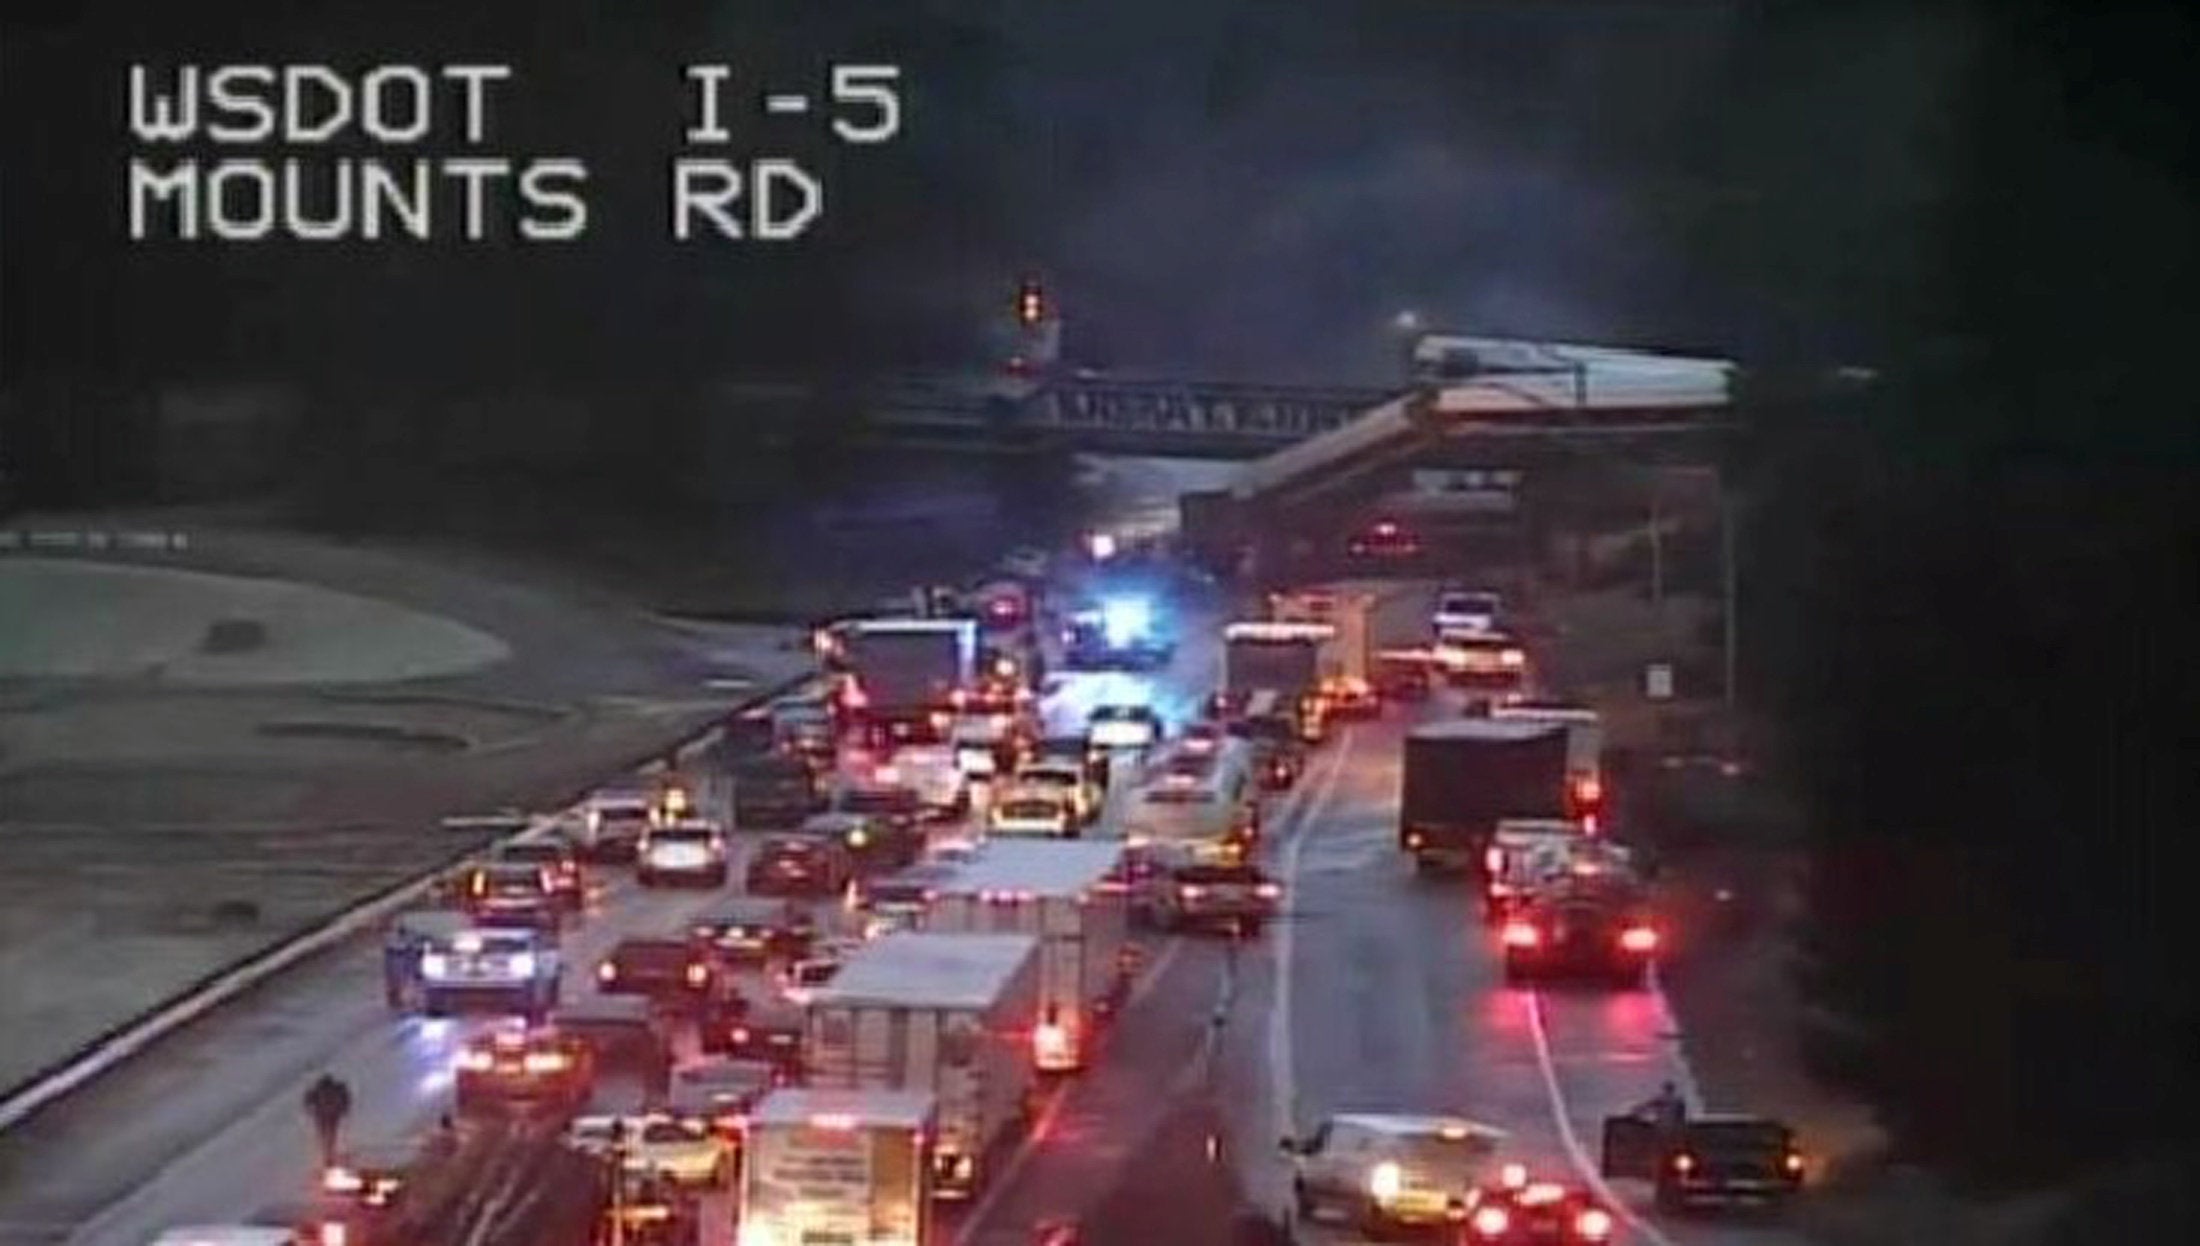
point(1043, 1123)
point(1281, 1090)
point(1562, 1115)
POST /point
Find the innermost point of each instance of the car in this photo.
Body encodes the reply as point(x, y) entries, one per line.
point(621, 1032)
point(505, 969)
point(687, 1152)
point(1385, 540)
point(768, 1030)
point(1236, 896)
point(801, 979)
point(1484, 661)
point(1726, 1157)
point(902, 894)
point(1390, 1171)
point(554, 854)
point(1034, 809)
point(1596, 926)
point(772, 789)
point(529, 1066)
point(672, 972)
point(874, 843)
point(1134, 727)
point(404, 938)
point(1467, 609)
point(757, 929)
point(720, 1094)
point(1524, 854)
point(228, 1235)
point(508, 894)
point(1405, 675)
point(1069, 776)
point(800, 865)
point(1521, 1212)
point(692, 851)
point(932, 775)
point(611, 823)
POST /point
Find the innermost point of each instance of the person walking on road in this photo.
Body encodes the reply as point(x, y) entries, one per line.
point(328, 1102)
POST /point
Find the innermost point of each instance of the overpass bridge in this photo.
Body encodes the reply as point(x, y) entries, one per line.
point(1515, 400)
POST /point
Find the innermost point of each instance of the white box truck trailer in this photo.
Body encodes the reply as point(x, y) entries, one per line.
point(1058, 891)
point(949, 1014)
point(846, 1167)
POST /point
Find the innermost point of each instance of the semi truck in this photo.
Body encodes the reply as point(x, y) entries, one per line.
point(1461, 777)
point(946, 1014)
point(1584, 727)
point(1058, 891)
point(902, 669)
point(837, 1166)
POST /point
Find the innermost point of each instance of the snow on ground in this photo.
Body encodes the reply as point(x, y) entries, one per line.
point(68, 618)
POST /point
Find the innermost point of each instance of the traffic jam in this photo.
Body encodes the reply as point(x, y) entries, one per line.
point(905, 903)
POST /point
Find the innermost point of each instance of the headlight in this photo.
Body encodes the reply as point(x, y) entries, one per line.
point(435, 965)
point(1384, 1181)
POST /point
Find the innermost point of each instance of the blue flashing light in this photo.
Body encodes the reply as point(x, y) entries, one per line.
point(1126, 620)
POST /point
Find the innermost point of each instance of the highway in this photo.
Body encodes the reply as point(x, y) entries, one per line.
point(1380, 991)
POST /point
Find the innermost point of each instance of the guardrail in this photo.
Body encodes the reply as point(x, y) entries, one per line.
point(125, 1041)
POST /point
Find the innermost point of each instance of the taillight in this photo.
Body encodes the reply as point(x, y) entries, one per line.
point(607, 972)
point(1268, 891)
point(740, 1034)
point(1594, 1224)
point(1493, 861)
point(1050, 1042)
point(1639, 939)
point(698, 974)
point(1512, 1176)
point(1191, 891)
point(333, 1233)
point(1491, 1221)
point(1793, 1163)
point(1415, 839)
point(1684, 1163)
point(1521, 934)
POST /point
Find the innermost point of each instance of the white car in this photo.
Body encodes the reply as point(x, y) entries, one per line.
point(1468, 610)
point(1035, 810)
point(686, 1151)
point(1066, 777)
point(685, 850)
point(1388, 1172)
point(932, 770)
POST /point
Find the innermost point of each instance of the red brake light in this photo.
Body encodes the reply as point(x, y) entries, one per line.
point(1521, 934)
point(1491, 1221)
point(1594, 1224)
point(1191, 891)
point(1639, 939)
point(1684, 1163)
point(1794, 1162)
point(698, 973)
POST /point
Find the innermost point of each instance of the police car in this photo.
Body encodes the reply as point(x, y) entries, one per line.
point(510, 970)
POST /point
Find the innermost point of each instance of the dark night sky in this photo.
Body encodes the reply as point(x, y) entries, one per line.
point(1228, 186)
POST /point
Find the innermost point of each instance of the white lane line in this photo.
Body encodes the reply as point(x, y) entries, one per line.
point(1669, 1038)
point(1282, 1093)
point(1562, 1114)
point(1005, 1180)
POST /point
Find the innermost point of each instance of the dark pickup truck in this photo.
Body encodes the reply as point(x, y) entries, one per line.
point(1705, 1159)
